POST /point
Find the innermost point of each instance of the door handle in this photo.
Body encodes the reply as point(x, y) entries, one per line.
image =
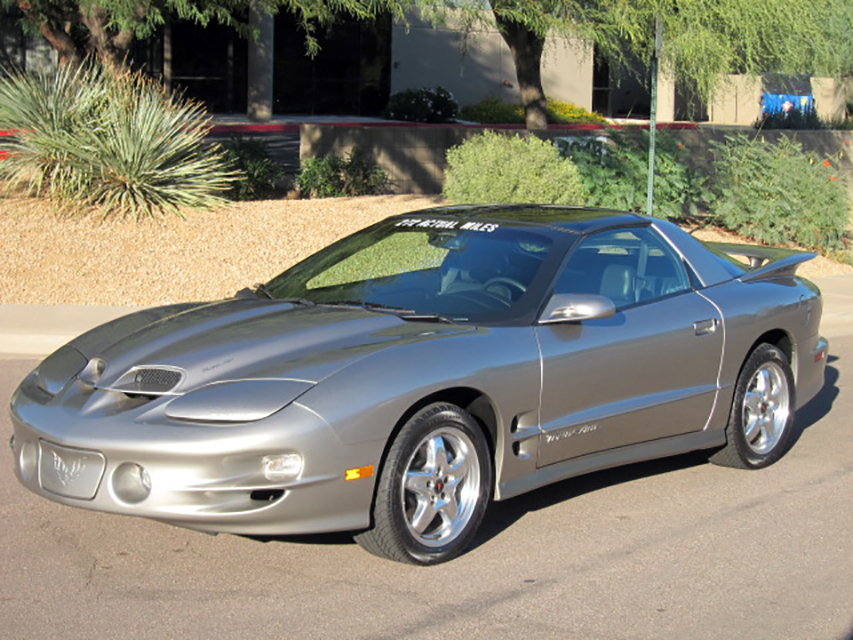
point(705, 327)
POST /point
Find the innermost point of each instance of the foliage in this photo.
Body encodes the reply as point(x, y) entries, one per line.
point(615, 173)
point(75, 28)
point(335, 177)
point(496, 168)
point(777, 194)
point(252, 159)
point(422, 105)
point(703, 40)
point(839, 124)
point(113, 142)
point(568, 113)
point(793, 119)
point(492, 111)
point(496, 111)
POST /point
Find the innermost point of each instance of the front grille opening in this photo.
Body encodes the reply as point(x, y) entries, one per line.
point(266, 495)
point(140, 398)
point(165, 378)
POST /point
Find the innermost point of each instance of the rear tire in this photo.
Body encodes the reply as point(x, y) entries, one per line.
point(762, 416)
point(433, 490)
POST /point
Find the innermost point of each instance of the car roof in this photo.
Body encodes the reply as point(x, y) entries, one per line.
point(579, 220)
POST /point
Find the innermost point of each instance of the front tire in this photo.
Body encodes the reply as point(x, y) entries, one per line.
point(762, 416)
point(433, 490)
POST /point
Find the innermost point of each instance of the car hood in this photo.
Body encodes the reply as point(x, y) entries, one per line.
point(246, 338)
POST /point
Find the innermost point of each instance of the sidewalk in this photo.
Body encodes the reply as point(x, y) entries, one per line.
point(33, 331)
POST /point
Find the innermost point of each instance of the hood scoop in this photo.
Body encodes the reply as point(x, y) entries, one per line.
point(158, 380)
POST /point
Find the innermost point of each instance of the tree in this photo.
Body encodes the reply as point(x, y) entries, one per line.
point(107, 28)
point(703, 39)
point(526, 47)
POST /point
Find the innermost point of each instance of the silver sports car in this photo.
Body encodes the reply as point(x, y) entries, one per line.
point(397, 381)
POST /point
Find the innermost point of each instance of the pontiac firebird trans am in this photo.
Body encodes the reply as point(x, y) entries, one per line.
point(397, 381)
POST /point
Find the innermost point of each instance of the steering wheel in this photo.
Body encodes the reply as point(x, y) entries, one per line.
point(506, 283)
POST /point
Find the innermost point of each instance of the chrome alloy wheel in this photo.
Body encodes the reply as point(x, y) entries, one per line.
point(766, 406)
point(441, 487)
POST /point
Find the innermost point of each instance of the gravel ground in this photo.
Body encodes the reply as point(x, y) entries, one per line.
point(208, 255)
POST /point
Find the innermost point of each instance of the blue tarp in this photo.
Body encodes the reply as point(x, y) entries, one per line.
point(776, 102)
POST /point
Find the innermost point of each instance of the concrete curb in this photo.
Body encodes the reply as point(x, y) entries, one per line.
point(37, 330)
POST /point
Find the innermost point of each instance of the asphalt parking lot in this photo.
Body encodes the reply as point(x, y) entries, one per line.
point(673, 549)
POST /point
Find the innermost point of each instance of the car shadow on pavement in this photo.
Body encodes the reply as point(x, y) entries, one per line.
point(816, 408)
point(502, 515)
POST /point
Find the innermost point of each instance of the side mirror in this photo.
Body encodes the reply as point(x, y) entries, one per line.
point(574, 307)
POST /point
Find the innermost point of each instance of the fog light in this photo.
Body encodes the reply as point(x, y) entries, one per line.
point(28, 460)
point(283, 466)
point(131, 483)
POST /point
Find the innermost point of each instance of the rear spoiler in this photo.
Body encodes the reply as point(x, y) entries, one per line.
point(765, 261)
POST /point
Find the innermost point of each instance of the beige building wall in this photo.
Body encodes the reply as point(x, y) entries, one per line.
point(737, 101)
point(481, 65)
point(831, 96)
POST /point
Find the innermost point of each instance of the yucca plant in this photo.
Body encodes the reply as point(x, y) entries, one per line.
point(114, 142)
point(42, 112)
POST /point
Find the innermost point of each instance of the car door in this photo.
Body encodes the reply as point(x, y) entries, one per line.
point(648, 372)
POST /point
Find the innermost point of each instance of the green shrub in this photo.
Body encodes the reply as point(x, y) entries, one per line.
point(252, 159)
point(495, 168)
point(334, 177)
point(568, 113)
point(492, 111)
point(109, 141)
point(422, 105)
point(495, 111)
point(778, 194)
point(793, 119)
point(615, 174)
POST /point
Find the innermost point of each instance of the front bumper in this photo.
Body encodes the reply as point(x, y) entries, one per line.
point(73, 450)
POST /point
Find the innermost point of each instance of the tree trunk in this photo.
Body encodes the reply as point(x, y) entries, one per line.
point(111, 48)
point(526, 47)
point(57, 37)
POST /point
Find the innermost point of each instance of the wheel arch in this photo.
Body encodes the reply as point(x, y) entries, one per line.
point(780, 339)
point(475, 402)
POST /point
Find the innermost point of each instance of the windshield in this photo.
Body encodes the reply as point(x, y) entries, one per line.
point(464, 272)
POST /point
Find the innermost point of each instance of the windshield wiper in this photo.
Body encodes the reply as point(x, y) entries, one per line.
point(370, 306)
point(402, 313)
point(426, 317)
point(302, 302)
point(261, 291)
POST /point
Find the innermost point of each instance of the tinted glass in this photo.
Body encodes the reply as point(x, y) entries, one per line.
point(474, 271)
point(628, 266)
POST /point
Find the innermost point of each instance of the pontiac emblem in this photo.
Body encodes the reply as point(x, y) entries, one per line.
point(65, 474)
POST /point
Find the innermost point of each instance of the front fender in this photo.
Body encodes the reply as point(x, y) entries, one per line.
point(364, 401)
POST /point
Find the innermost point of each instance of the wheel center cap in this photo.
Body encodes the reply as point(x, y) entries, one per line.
point(439, 486)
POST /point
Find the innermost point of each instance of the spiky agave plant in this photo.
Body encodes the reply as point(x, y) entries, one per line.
point(148, 153)
point(41, 114)
point(128, 150)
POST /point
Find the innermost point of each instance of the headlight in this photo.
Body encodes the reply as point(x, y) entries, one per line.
point(239, 401)
point(58, 369)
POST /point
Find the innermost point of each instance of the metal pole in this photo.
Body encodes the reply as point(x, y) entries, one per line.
point(653, 122)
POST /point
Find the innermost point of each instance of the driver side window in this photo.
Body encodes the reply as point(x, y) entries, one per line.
point(629, 266)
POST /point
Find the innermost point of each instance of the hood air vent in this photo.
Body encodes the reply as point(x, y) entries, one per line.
point(148, 381)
